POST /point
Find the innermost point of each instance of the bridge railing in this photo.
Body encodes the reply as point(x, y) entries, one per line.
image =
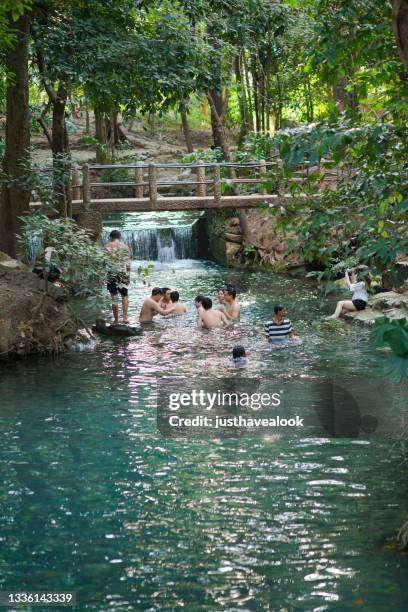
point(207, 182)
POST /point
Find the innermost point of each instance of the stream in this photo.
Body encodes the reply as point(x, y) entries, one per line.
point(95, 500)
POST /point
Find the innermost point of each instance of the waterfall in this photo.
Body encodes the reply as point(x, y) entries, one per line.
point(163, 244)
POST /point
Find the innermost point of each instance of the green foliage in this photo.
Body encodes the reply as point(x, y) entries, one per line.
point(394, 334)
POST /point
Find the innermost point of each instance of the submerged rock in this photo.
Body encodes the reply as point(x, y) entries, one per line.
point(116, 329)
point(31, 321)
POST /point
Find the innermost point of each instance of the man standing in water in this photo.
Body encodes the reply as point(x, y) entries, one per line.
point(151, 307)
point(279, 327)
point(118, 274)
point(208, 317)
point(230, 307)
point(177, 307)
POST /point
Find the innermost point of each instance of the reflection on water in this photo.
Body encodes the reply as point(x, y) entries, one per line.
point(93, 499)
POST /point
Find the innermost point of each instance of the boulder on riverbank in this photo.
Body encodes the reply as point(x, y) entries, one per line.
point(31, 321)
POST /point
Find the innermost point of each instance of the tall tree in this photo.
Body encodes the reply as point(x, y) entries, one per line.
point(15, 194)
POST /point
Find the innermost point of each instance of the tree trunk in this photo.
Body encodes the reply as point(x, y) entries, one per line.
point(87, 122)
point(216, 108)
point(186, 127)
point(242, 101)
point(400, 27)
point(15, 199)
point(60, 152)
point(100, 135)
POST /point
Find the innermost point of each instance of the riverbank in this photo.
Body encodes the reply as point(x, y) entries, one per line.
point(386, 304)
point(31, 319)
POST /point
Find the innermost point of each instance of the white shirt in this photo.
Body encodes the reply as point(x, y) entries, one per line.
point(359, 291)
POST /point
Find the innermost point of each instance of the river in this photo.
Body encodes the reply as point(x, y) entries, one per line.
point(95, 500)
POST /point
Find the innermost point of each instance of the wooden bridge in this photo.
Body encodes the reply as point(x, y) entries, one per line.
point(206, 184)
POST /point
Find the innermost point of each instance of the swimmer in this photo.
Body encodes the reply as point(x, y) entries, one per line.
point(239, 356)
point(208, 317)
point(221, 296)
point(151, 307)
point(231, 307)
point(177, 307)
point(165, 301)
point(279, 327)
point(118, 277)
point(197, 303)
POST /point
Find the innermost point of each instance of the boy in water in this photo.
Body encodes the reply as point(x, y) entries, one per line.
point(118, 275)
point(230, 307)
point(208, 317)
point(177, 307)
point(279, 327)
point(151, 307)
point(239, 356)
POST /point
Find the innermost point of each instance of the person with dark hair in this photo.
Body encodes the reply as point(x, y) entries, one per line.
point(118, 278)
point(209, 317)
point(231, 307)
point(198, 303)
point(239, 356)
point(178, 307)
point(165, 301)
point(151, 307)
point(358, 300)
point(279, 327)
point(221, 295)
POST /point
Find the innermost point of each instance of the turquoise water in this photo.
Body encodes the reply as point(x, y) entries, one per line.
point(95, 500)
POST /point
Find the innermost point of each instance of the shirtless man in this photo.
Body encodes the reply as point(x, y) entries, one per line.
point(118, 275)
point(197, 303)
point(208, 317)
point(151, 307)
point(177, 307)
point(231, 307)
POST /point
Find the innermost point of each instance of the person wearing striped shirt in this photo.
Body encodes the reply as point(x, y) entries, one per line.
point(279, 327)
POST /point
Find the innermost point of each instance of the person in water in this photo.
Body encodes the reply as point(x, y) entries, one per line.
point(177, 307)
point(221, 296)
point(231, 307)
point(209, 317)
point(239, 356)
point(118, 275)
point(198, 303)
point(279, 327)
point(165, 301)
point(151, 307)
point(358, 300)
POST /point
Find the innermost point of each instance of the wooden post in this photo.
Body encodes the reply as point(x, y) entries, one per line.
point(76, 185)
point(200, 180)
point(153, 183)
point(262, 176)
point(217, 183)
point(86, 187)
point(139, 181)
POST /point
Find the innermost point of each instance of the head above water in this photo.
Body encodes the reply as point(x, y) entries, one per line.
point(238, 351)
point(166, 294)
point(156, 294)
point(221, 294)
point(115, 235)
point(174, 296)
point(206, 303)
point(280, 310)
point(230, 293)
point(198, 301)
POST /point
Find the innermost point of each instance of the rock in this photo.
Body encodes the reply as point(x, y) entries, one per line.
point(30, 321)
point(116, 329)
point(233, 238)
point(389, 300)
point(232, 250)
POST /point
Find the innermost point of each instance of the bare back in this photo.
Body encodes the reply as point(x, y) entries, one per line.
point(212, 318)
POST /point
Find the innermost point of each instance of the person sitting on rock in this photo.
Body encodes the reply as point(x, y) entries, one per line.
point(358, 300)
